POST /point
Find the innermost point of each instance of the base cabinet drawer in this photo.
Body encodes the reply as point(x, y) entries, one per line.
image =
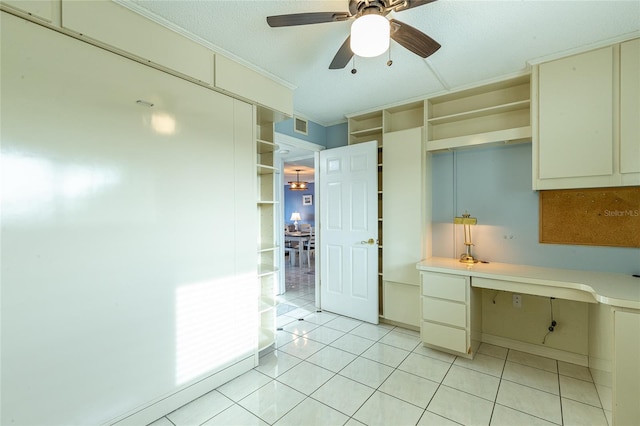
point(445, 286)
point(443, 311)
point(443, 336)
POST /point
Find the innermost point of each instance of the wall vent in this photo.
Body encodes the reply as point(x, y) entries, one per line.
point(300, 126)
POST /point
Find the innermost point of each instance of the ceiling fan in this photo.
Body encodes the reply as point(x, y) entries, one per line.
point(367, 10)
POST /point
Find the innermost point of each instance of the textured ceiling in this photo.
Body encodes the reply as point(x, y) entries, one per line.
point(481, 40)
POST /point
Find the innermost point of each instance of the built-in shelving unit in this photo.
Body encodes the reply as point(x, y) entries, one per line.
point(267, 248)
point(497, 112)
point(380, 126)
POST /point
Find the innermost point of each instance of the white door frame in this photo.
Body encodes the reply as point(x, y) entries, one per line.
point(314, 149)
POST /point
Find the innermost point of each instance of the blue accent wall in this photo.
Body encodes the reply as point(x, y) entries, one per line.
point(316, 133)
point(293, 203)
point(494, 185)
point(337, 135)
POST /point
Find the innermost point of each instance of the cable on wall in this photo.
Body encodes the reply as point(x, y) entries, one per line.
point(553, 324)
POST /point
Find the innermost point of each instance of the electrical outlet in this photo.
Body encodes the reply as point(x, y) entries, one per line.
point(517, 301)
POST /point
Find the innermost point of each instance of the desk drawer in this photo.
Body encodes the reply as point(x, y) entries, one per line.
point(443, 286)
point(444, 311)
point(443, 336)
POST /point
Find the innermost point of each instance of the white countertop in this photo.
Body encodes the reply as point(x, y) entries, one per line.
point(606, 287)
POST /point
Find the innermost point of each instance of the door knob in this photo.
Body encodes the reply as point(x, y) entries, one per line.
point(370, 241)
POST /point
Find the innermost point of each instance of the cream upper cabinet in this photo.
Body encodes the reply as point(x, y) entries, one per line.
point(630, 108)
point(584, 104)
point(42, 9)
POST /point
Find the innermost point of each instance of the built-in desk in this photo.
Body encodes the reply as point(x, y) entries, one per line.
point(454, 294)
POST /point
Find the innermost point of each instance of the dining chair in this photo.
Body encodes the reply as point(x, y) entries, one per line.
point(310, 247)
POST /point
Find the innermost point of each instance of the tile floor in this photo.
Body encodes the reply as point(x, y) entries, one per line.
point(333, 370)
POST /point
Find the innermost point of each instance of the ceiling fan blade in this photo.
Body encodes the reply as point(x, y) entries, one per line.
point(306, 18)
point(413, 39)
point(410, 4)
point(343, 56)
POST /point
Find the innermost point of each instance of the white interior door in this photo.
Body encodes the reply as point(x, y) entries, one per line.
point(349, 231)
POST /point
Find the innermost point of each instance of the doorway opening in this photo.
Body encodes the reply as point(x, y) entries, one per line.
point(297, 289)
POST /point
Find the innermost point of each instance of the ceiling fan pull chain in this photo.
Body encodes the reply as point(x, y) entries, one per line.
point(354, 70)
point(389, 62)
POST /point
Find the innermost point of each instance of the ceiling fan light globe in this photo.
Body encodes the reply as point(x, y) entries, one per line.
point(370, 35)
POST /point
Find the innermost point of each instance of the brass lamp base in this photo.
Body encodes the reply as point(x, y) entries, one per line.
point(467, 258)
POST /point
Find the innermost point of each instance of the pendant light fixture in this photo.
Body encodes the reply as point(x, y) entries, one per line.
point(297, 185)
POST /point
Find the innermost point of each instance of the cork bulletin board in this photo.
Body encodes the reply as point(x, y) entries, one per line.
point(596, 217)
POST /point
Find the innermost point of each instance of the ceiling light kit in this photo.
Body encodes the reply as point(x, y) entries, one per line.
point(370, 32)
point(298, 185)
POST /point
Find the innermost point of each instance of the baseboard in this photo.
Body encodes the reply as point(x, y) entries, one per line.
point(164, 405)
point(517, 345)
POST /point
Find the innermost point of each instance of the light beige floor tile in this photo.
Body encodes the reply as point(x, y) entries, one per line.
point(578, 414)
point(493, 350)
point(473, 382)
point(531, 360)
point(531, 401)
point(272, 401)
point(283, 320)
point(305, 377)
point(334, 391)
point(331, 358)
point(302, 347)
point(320, 318)
point(370, 331)
point(425, 367)
point(605, 393)
point(383, 410)
point(299, 327)
point(413, 333)
point(482, 363)
point(401, 340)
point(324, 335)
point(432, 419)
point(532, 377)
point(354, 344)
point(505, 416)
point(243, 385)
point(434, 353)
point(575, 371)
point(312, 413)
point(283, 338)
point(343, 324)
point(276, 363)
point(353, 422)
point(579, 390)
point(367, 372)
point(609, 415)
point(235, 416)
point(200, 410)
point(388, 355)
point(410, 388)
point(162, 421)
point(461, 407)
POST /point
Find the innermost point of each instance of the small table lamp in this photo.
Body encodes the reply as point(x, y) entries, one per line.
point(295, 216)
point(466, 221)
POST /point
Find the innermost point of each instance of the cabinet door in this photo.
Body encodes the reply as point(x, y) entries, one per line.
point(626, 369)
point(402, 205)
point(630, 107)
point(576, 116)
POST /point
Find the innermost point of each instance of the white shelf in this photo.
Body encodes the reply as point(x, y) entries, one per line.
point(482, 112)
point(496, 137)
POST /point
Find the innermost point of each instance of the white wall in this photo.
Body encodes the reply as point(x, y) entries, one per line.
point(127, 267)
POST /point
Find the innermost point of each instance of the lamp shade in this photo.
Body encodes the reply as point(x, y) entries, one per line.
point(295, 216)
point(370, 35)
